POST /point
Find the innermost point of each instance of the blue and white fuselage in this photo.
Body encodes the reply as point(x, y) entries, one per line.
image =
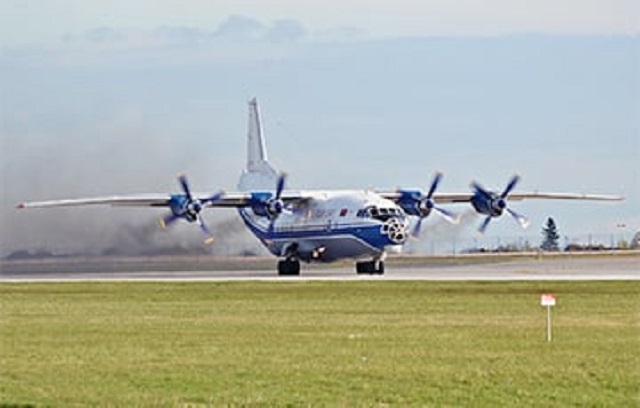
point(332, 225)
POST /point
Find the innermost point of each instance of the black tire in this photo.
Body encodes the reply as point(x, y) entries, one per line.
point(362, 268)
point(288, 267)
point(295, 267)
point(370, 267)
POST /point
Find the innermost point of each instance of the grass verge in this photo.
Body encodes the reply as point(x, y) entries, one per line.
point(319, 343)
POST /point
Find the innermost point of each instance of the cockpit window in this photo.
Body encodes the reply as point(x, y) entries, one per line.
point(381, 214)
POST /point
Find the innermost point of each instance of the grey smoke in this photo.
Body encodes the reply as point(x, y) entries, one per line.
point(145, 237)
point(437, 232)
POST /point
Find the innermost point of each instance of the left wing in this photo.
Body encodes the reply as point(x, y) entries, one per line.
point(232, 199)
point(145, 200)
point(188, 205)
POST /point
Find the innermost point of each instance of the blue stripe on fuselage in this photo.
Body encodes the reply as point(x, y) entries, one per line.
point(372, 240)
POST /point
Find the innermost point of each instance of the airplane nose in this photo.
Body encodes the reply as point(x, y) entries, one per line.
point(396, 229)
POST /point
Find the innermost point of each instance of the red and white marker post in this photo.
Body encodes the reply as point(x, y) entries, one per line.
point(548, 300)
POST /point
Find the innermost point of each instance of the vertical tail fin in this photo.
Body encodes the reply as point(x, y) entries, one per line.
point(259, 173)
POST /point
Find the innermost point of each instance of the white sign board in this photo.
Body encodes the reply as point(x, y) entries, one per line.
point(548, 299)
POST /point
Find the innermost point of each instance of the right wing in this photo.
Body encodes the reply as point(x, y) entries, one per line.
point(233, 199)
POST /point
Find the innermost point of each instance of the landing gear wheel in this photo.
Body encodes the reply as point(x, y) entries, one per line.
point(289, 267)
point(370, 267)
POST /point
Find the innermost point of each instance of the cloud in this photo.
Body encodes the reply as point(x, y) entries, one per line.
point(241, 28)
point(238, 28)
point(238, 38)
point(286, 30)
point(181, 34)
point(103, 35)
point(235, 29)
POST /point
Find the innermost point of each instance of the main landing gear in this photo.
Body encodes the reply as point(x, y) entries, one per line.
point(375, 267)
point(289, 267)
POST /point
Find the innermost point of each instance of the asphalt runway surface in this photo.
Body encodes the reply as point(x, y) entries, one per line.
point(545, 269)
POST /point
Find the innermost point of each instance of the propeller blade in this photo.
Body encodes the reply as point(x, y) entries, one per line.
point(521, 219)
point(182, 179)
point(426, 204)
point(512, 183)
point(272, 226)
point(205, 230)
point(280, 185)
point(434, 185)
point(275, 205)
point(448, 215)
point(217, 196)
point(168, 220)
point(415, 232)
point(485, 224)
point(478, 188)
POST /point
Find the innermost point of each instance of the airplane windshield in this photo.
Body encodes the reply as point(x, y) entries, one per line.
point(380, 213)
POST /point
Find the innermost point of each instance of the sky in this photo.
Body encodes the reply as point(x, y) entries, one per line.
point(36, 21)
point(108, 97)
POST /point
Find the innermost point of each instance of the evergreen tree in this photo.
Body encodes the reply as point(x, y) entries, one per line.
point(550, 236)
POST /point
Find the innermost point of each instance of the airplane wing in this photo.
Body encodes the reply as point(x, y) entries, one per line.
point(188, 205)
point(485, 202)
point(448, 198)
point(146, 200)
point(242, 199)
point(233, 199)
point(563, 196)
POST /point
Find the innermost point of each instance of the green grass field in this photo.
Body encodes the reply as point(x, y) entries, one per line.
point(319, 343)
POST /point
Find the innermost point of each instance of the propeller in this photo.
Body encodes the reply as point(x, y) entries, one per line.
point(493, 205)
point(187, 207)
point(427, 204)
point(275, 205)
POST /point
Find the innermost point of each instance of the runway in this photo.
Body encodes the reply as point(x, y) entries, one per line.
point(563, 268)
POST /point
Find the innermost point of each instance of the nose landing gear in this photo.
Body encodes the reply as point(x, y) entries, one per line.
point(375, 267)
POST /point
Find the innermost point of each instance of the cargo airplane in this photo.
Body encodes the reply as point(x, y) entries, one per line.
point(322, 225)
